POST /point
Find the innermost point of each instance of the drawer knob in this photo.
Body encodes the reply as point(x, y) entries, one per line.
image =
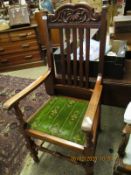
point(25, 45)
point(28, 56)
point(21, 35)
point(2, 49)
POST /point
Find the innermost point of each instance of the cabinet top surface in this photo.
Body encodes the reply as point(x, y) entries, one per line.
point(19, 28)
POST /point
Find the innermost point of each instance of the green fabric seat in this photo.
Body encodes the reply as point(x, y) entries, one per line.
point(61, 117)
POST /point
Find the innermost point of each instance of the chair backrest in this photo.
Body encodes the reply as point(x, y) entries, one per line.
point(70, 63)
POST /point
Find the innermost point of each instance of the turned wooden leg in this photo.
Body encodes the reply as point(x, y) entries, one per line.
point(30, 143)
point(99, 113)
point(88, 155)
point(88, 166)
point(31, 146)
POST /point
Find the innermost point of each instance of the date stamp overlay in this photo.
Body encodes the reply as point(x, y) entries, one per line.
point(93, 158)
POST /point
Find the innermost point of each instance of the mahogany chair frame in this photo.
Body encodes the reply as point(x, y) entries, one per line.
point(120, 168)
point(69, 16)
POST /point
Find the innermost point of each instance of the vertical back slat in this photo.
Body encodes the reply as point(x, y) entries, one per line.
point(50, 53)
point(81, 63)
point(67, 34)
point(62, 55)
point(87, 55)
point(102, 30)
point(75, 55)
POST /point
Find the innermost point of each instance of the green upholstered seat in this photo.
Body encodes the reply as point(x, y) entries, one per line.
point(61, 117)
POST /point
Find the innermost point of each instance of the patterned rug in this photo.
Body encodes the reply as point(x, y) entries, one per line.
point(12, 151)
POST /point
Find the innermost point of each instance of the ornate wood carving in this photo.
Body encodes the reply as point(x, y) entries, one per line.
point(71, 13)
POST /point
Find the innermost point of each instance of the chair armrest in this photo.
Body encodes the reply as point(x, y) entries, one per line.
point(87, 123)
point(127, 129)
point(123, 144)
point(16, 98)
point(127, 114)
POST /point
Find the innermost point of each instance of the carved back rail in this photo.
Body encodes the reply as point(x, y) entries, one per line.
point(74, 23)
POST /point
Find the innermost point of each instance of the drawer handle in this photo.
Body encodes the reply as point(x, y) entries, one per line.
point(25, 45)
point(4, 61)
point(2, 49)
point(29, 57)
point(22, 35)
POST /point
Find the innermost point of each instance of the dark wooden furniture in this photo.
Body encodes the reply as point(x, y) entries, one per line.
point(55, 41)
point(127, 7)
point(118, 92)
point(20, 48)
point(76, 114)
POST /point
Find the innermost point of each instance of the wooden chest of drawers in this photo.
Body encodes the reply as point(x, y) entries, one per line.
point(19, 48)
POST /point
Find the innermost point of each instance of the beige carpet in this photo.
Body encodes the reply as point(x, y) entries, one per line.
point(31, 73)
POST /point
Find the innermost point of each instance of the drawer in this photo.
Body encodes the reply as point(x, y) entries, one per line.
point(4, 37)
point(22, 34)
point(6, 60)
point(20, 46)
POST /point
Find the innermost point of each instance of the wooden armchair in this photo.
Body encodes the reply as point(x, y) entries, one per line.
point(71, 117)
point(123, 162)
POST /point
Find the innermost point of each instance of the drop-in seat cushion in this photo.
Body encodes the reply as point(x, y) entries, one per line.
point(127, 114)
point(61, 117)
point(127, 157)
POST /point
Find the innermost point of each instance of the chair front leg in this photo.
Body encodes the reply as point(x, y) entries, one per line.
point(99, 116)
point(88, 155)
point(29, 142)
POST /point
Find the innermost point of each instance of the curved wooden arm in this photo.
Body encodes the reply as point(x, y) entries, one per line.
point(13, 100)
point(127, 129)
point(123, 144)
point(87, 123)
